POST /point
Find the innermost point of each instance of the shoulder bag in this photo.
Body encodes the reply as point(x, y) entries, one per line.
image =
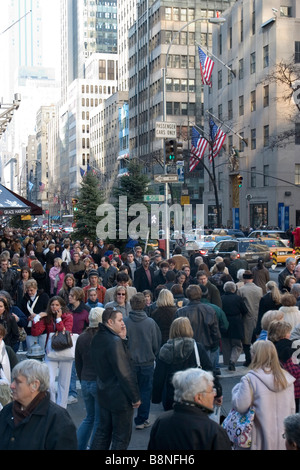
point(239, 426)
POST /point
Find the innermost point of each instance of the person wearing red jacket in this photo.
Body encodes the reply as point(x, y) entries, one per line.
point(56, 318)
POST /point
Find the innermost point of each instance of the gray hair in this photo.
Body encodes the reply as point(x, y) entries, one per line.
point(189, 382)
point(229, 286)
point(198, 260)
point(33, 370)
point(292, 429)
point(290, 260)
point(295, 290)
point(239, 274)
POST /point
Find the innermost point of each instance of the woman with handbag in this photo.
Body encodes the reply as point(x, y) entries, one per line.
point(270, 391)
point(57, 318)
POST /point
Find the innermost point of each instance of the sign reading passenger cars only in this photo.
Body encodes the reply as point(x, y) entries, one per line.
point(165, 130)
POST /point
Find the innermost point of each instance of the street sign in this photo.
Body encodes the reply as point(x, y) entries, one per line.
point(154, 198)
point(165, 130)
point(166, 179)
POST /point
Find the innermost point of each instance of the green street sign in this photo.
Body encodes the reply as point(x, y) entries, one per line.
point(154, 198)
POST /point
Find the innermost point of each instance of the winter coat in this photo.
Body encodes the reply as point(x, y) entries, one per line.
point(108, 276)
point(9, 279)
point(52, 275)
point(40, 306)
point(49, 427)
point(83, 360)
point(116, 378)
point(204, 322)
point(144, 338)
point(124, 309)
point(141, 281)
point(251, 295)
point(285, 352)
point(291, 315)
point(235, 309)
point(271, 407)
point(40, 327)
point(261, 277)
point(164, 316)
point(80, 317)
point(266, 303)
point(185, 428)
point(175, 355)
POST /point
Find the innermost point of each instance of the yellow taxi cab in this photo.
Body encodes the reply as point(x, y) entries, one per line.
point(276, 245)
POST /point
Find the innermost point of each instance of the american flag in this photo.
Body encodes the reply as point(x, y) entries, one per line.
point(198, 148)
point(217, 139)
point(42, 186)
point(206, 67)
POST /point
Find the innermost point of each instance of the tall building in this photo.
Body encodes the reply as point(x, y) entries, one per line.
point(166, 35)
point(257, 37)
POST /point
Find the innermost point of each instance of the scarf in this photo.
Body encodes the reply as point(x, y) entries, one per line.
point(20, 413)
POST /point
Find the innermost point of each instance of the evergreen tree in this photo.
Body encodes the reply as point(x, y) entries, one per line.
point(135, 186)
point(90, 197)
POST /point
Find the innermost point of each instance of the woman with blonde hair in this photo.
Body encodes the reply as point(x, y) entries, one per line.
point(164, 313)
point(290, 310)
point(178, 353)
point(120, 301)
point(269, 316)
point(270, 390)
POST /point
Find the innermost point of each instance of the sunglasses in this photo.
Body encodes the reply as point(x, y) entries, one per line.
point(121, 294)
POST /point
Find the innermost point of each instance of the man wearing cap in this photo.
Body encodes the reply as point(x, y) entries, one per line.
point(251, 294)
point(94, 282)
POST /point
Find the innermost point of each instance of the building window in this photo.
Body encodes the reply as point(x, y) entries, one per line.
point(253, 101)
point(220, 112)
point(219, 79)
point(168, 13)
point(266, 175)
point(253, 18)
point(266, 96)
point(266, 56)
point(230, 110)
point(175, 14)
point(297, 173)
point(266, 136)
point(297, 133)
point(241, 69)
point(297, 52)
point(286, 11)
point(253, 177)
point(252, 63)
point(253, 139)
point(241, 105)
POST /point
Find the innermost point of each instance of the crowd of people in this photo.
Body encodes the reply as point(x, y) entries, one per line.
point(145, 329)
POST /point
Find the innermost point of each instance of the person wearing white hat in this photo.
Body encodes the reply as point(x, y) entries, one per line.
point(87, 377)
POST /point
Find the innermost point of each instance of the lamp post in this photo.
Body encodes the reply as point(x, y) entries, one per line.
point(219, 21)
point(7, 112)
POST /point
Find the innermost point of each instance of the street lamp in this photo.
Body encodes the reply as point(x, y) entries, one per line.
point(218, 21)
point(7, 112)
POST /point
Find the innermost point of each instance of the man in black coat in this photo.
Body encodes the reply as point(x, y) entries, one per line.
point(144, 276)
point(204, 321)
point(118, 391)
point(32, 421)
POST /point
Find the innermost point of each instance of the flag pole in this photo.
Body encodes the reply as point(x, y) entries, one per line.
point(217, 58)
point(231, 130)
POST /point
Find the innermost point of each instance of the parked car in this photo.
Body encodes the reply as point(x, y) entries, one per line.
point(248, 249)
point(278, 246)
point(280, 234)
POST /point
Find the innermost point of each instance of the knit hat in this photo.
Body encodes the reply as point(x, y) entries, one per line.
point(247, 275)
point(93, 272)
point(95, 316)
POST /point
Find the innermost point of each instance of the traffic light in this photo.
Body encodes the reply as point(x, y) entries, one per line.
point(74, 203)
point(170, 151)
point(240, 181)
point(179, 151)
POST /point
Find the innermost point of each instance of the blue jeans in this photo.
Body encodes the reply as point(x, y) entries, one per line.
point(114, 430)
point(72, 388)
point(145, 380)
point(90, 423)
point(214, 358)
